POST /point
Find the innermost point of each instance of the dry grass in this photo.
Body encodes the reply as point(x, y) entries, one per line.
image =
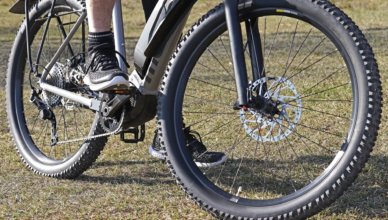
point(127, 183)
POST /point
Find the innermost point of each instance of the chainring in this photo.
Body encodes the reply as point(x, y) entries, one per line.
point(110, 124)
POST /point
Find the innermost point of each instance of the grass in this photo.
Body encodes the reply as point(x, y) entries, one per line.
point(125, 182)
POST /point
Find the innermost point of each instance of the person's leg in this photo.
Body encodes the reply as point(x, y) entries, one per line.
point(198, 151)
point(148, 7)
point(99, 14)
point(104, 72)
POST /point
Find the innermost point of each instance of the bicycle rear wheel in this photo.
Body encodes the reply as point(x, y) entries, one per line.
point(31, 133)
point(321, 75)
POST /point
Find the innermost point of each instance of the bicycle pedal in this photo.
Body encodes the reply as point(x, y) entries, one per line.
point(115, 100)
point(135, 132)
point(123, 91)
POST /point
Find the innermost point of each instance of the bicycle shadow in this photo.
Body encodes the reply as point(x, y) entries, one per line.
point(124, 163)
point(140, 172)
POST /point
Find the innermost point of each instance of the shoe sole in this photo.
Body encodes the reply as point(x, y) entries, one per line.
point(156, 153)
point(117, 83)
point(159, 155)
point(223, 160)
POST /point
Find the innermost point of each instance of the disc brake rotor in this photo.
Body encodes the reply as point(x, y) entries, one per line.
point(56, 77)
point(262, 128)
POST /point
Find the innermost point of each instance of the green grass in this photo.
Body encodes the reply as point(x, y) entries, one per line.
point(125, 182)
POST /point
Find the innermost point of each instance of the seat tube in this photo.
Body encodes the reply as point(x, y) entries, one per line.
point(118, 28)
point(236, 46)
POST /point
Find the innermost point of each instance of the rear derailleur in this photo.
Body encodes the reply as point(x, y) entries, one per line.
point(45, 113)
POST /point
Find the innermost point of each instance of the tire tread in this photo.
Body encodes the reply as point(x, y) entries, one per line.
point(365, 147)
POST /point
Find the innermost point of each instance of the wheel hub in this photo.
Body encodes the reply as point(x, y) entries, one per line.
point(281, 112)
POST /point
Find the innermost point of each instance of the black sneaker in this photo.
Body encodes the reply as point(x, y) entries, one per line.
point(103, 71)
point(199, 153)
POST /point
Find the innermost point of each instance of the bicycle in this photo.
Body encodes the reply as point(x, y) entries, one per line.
point(297, 131)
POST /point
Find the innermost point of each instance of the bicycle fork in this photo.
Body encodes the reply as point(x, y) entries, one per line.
point(238, 50)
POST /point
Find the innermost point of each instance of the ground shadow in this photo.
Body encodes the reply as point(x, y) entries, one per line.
point(145, 175)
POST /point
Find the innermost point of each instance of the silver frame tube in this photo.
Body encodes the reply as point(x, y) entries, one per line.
point(120, 47)
point(91, 103)
point(118, 27)
point(144, 86)
point(63, 46)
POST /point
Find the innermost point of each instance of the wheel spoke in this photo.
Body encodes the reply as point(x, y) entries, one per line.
point(214, 115)
point(211, 84)
point(322, 81)
point(315, 129)
point(266, 161)
point(335, 87)
point(226, 51)
point(41, 132)
point(230, 151)
point(35, 118)
point(329, 100)
point(207, 100)
point(292, 148)
point(217, 128)
point(270, 49)
point(220, 63)
point(289, 53)
point(287, 168)
point(212, 70)
point(239, 166)
point(216, 144)
point(210, 148)
point(309, 109)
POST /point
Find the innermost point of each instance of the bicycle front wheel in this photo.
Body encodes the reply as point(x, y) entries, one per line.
point(321, 75)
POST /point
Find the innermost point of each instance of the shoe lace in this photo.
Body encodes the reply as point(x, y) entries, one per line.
point(104, 58)
point(191, 138)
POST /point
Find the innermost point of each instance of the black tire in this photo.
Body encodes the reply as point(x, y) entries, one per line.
point(30, 133)
point(331, 144)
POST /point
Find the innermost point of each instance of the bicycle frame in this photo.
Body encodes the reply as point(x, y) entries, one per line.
point(156, 44)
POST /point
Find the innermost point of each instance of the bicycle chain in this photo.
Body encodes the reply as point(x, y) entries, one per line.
point(95, 136)
point(89, 138)
point(99, 135)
